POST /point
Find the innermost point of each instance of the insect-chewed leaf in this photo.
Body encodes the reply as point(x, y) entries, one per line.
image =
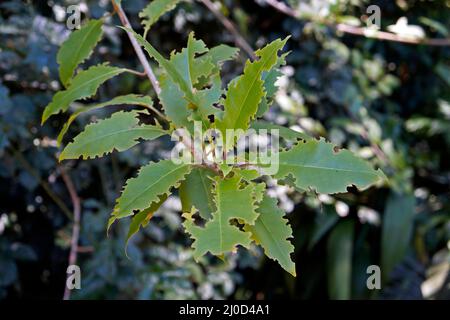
point(314, 164)
point(206, 98)
point(283, 132)
point(130, 99)
point(270, 78)
point(232, 201)
point(196, 191)
point(119, 132)
point(153, 181)
point(220, 54)
point(217, 56)
point(155, 10)
point(77, 48)
point(245, 93)
point(83, 85)
point(188, 65)
point(271, 231)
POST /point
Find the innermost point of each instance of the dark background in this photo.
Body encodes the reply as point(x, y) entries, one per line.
point(387, 101)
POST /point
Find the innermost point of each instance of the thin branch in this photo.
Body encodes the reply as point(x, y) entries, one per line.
point(56, 199)
point(375, 34)
point(238, 39)
point(382, 35)
point(76, 224)
point(141, 56)
point(137, 48)
point(282, 7)
point(140, 74)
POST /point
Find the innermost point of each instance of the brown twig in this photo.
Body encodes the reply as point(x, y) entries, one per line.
point(87, 249)
point(359, 31)
point(137, 48)
point(238, 39)
point(387, 36)
point(27, 166)
point(76, 224)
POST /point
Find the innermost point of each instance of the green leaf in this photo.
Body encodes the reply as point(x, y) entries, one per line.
point(83, 85)
point(396, 230)
point(245, 92)
point(130, 99)
point(142, 218)
point(120, 132)
point(172, 71)
point(153, 180)
point(324, 222)
point(225, 168)
point(173, 102)
point(196, 191)
point(270, 77)
point(233, 202)
point(208, 97)
point(155, 10)
point(218, 55)
point(249, 174)
point(314, 164)
point(271, 231)
point(284, 132)
point(188, 66)
point(77, 48)
point(339, 261)
point(185, 71)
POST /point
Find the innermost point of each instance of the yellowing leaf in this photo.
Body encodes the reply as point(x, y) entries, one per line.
point(131, 99)
point(316, 165)
point(271, 231)
point(120, 132)
point(77, 48)
point(153, 181)
point(83, 85)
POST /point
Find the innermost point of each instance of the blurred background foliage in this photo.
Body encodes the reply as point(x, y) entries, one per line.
point(388, 102)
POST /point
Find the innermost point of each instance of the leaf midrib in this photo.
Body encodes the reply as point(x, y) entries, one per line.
point(77, 57)
point(252, 84)
point(331, 169)
point(210, 202)
point(280, 250)
point(152, 185)
point(68, 97)
point(117, 132)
